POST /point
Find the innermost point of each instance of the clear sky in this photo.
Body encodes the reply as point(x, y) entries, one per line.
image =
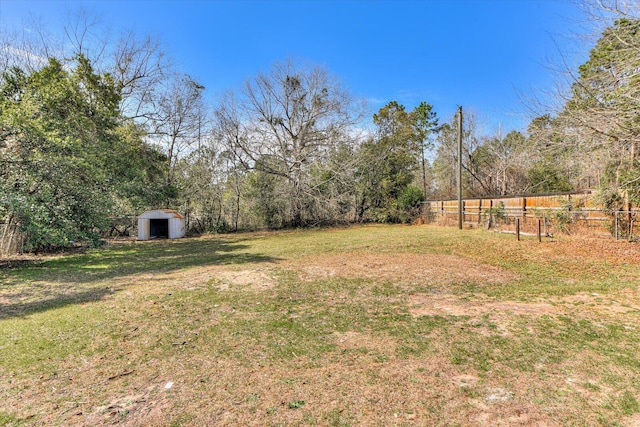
point(477, 54)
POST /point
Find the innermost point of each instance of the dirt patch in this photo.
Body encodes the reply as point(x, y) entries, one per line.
point(121, 405)
point(592, 306)
point(451, 305)
point(465, 380)
point(150, 408)
point(613, 304)
point(254, 279)
point(407, 267)
point(617, 253)
point(251, 278)
point(353, 341)
point(633, 421)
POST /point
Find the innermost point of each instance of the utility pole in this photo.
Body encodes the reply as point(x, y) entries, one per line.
point(424, 173)
point(460, 213)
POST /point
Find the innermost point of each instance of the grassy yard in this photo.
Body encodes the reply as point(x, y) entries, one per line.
point(376, 325)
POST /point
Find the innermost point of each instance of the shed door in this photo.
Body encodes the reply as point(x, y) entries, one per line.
point(158, 228)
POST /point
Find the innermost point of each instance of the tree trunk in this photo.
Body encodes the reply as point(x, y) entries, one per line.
point(235, 227)
point(424, 176)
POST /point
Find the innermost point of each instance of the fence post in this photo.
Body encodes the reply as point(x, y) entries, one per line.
point(630, 221)
point(491, 224)
point(518, 229)
point(539, 230)
point(464, 211)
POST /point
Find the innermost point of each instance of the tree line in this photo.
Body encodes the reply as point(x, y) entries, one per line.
point(96, 128)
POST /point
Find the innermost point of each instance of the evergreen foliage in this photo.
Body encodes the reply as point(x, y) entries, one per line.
point(69, 158)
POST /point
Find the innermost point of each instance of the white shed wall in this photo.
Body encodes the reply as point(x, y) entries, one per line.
point(176, 228)
point(175, 221)
point(143, 229)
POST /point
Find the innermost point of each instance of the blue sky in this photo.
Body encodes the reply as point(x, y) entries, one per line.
point(478, 54)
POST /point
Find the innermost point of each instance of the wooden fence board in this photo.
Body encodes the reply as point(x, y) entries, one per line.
point(583, 209)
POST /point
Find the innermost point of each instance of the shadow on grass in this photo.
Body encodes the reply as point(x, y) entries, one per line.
point(53, 300)
point(6, 264)
point(79, 278)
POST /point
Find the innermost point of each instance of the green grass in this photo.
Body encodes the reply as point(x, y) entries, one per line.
point(8, 420)
point(124, 320)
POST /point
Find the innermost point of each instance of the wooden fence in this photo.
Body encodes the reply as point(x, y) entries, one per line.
point(560, 212)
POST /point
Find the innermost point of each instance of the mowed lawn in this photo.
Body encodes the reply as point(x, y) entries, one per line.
point(372, 325)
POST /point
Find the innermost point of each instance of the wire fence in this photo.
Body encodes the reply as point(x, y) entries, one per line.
point(624, 226)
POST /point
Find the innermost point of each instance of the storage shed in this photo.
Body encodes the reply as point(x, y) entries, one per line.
point(160, 223)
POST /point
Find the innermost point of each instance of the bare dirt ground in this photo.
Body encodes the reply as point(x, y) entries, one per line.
point(582, 305)
point(404, 268)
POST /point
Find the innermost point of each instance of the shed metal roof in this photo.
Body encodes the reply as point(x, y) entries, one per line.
point(161, 214)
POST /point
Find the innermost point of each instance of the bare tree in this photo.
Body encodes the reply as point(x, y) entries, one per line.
point(475, 181)
point(140, 66)
point(137, 64)
point(87, 35)
point(502, 162)
point(177, 124)
point(29, 47)
point(284, 121)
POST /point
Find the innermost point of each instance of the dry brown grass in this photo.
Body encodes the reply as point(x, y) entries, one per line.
point(401, 267)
